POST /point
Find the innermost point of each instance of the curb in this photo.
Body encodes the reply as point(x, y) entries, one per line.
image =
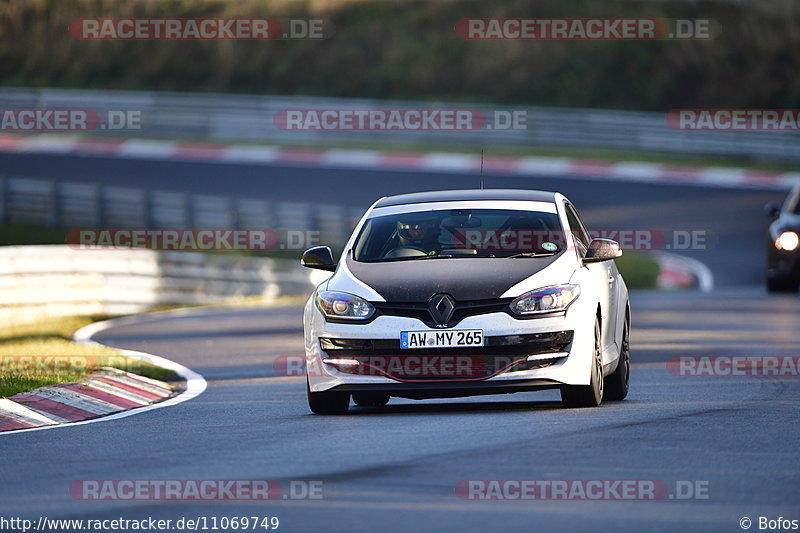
point(681, 272)
point(552, 167)
point(108, 394)
point(100, 393)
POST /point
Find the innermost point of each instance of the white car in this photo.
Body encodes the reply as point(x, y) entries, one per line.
point(460, 293)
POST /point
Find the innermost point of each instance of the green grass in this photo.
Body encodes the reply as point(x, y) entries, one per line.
point(243, 301)
point(639, 270)
point(42, 353)
point(23, 234)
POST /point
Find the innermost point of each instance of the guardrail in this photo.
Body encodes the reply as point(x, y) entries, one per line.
point(55, 280)
point(250, 117)
point(62, 204)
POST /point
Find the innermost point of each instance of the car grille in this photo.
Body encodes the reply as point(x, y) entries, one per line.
point(461, 310)
point(384, 357)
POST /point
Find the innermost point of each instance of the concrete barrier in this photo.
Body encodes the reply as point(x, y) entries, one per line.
point(55, 280)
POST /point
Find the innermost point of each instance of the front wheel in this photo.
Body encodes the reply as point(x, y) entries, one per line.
point(590, 395)
point(328, 402)
point(618, 382)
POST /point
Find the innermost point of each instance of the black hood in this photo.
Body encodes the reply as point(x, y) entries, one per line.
point(465, 279)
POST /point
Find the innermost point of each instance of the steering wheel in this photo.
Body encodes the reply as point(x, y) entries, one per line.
point(405, 251)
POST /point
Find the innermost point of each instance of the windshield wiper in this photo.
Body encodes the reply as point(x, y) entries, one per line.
point(404, 258)
point(442, 256)
point(531, 254)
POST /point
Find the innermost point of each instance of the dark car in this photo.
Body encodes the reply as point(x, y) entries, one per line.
point(783, 244)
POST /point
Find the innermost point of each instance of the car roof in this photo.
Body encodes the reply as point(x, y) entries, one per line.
point(465, 195)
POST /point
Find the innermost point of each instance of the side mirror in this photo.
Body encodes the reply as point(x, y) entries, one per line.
point(602, 250)
point(318, 257)
point(772, 210)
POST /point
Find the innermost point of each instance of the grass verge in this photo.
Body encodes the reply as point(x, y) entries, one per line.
point(640, 271)
point(42, 353)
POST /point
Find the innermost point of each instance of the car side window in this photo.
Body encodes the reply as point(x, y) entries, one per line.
point(578, 231)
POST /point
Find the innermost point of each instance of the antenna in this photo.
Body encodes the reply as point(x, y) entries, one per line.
point(481, 169)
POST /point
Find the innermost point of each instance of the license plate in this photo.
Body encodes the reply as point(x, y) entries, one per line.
point(454, 338)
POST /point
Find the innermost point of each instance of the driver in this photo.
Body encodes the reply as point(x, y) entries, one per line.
point(421, 234)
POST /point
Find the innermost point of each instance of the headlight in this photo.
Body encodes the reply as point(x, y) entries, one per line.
point(787, 241)
point(551, 299)
point(343, 306)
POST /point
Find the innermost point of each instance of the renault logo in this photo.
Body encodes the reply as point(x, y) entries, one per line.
point(441, 309)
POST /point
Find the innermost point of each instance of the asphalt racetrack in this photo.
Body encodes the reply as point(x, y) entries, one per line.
point(733, 440)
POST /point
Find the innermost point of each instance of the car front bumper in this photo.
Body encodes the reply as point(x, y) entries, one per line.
point(560, 347)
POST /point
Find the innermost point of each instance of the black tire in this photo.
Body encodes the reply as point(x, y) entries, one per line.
point(328, 403)
point(778, 285)
point(588, 395)
point(370, 399)
point(617, 383)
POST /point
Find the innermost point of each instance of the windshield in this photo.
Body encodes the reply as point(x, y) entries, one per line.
point(459, 233)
